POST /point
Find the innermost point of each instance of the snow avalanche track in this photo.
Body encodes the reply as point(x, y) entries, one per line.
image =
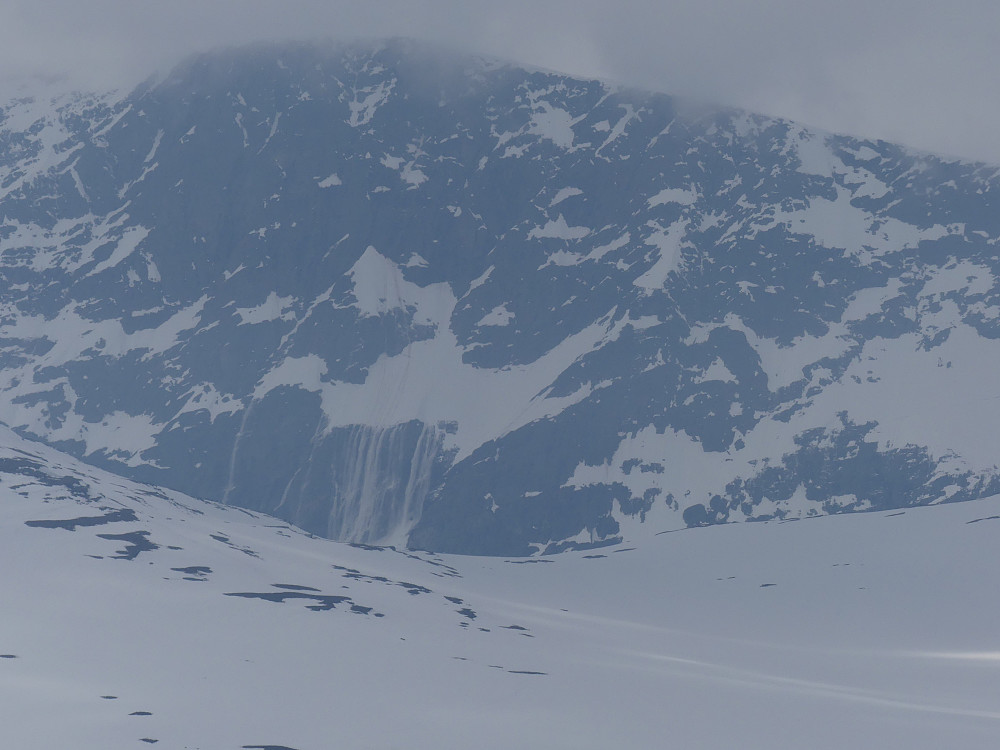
point(134, 616)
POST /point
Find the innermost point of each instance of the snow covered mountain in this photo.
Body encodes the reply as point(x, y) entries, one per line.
point(397, 297)
point(134, 616)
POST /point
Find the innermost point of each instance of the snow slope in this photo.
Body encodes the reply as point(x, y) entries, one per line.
point(133, 615)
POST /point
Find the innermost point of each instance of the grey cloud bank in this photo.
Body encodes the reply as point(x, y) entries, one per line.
point(918, 73)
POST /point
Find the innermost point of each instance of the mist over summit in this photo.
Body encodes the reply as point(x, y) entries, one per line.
point(396, 296)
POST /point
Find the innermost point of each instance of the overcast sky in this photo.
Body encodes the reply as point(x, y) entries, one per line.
point(923, 72)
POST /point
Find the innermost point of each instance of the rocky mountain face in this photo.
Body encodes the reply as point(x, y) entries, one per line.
point(396, 297)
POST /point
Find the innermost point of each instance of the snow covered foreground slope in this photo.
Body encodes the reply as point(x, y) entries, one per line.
point(400, 297)
point(132, 615)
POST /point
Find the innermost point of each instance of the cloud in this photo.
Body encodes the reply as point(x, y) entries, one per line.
point(916, 72)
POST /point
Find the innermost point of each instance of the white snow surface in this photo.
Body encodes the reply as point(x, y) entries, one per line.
point(126, 246)
point(564, 193)
point(864, 630)
point(330, 181)
point(498, 316)
point(367, 101)
point(667, 241)
point(558, 229)
point(429, 380)
point(123, 435)
point(378, 283)
point(553, 123)
point(681, 196)
point(273, 308)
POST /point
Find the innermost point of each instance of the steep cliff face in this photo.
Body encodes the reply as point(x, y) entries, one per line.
point(399, 298)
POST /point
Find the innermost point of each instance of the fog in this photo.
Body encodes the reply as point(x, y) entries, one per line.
point(920, 73)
